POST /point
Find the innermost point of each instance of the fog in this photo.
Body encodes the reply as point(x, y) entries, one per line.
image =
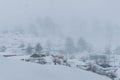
point(98, 21)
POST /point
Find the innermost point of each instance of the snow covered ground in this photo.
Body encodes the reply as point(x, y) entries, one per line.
point(18, 70)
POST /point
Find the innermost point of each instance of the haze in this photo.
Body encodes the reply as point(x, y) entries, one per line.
point(96, 20)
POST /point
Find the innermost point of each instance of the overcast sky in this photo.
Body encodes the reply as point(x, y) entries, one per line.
point(63, 10)
point(75, 17)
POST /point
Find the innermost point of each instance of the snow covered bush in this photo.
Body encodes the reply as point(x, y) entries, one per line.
point(110, 72)
point(41, 61)
point(59, 59)
point(56, 61)
point(37, 58)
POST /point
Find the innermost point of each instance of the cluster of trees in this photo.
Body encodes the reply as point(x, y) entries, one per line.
point(70, 47)
point(36, 50)
point(101, 60)
point(82, 45)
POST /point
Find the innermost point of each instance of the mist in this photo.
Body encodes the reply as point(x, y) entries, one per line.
point(98, 21)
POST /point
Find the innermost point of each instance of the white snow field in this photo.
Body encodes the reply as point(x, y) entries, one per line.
point(18, 70)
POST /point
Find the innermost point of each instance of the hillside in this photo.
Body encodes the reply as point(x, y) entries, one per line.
point(17, 70)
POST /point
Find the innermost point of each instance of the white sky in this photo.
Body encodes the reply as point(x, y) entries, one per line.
point(20, 10)
point(76, 17)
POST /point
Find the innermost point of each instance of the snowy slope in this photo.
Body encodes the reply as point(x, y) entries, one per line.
point(18, 70)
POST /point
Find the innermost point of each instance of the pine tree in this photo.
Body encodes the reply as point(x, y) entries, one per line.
point(69, 46)
point(29, 49)
point(108, 53)
point(38, 48)
point(82, 45)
